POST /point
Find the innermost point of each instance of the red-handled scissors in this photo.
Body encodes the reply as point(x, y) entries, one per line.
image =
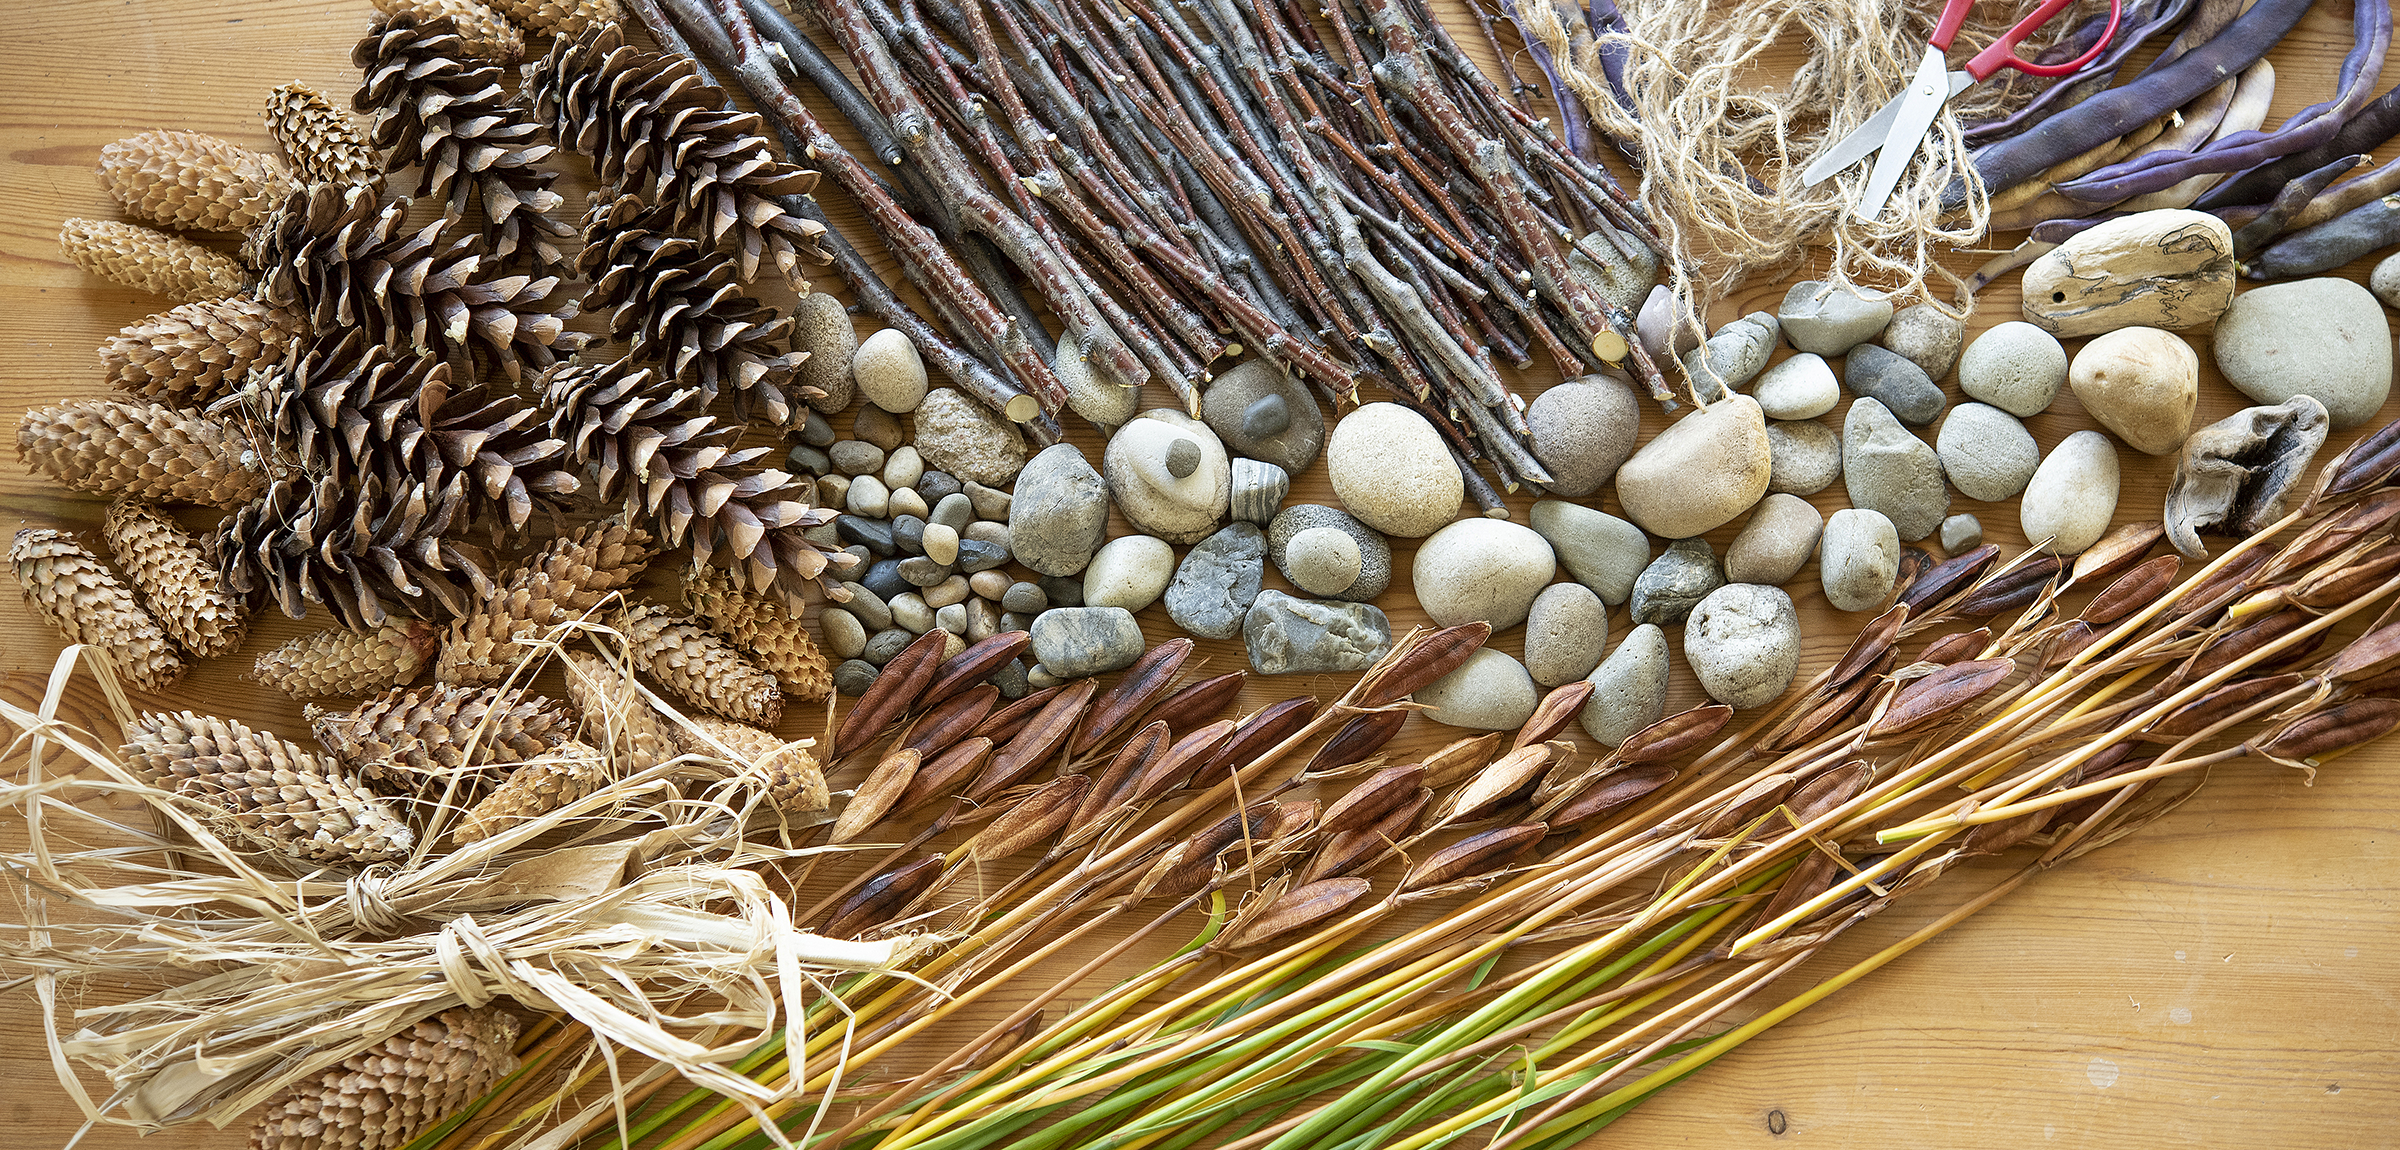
point(1897, 130)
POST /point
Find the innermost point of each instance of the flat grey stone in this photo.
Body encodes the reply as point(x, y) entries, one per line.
point(1287, 636)
point(1073, 642)
point(1058, 514)
point(1374, 551)
point(1678, 579)
point(2326, 338)
point(1805, 457)
point(1217, 581)
point(1262, 413)
point(1888, 469)
point(1599, 550)
point(1827, 320)
point(1891, 379)
point(1629, 688)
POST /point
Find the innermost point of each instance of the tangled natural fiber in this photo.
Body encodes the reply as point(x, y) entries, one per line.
point(1706, 128)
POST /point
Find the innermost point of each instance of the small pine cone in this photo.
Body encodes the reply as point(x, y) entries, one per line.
point(383, 1097)
point(265, 791)
point(193, 353)
point(151, 260)
point(535, 788)
point(412, 741)
point(193, 180)
point(616, 716)
point(177, 582)
point(762, 628)
point(482, 32)
point(699, 665)
point(341, 662)
point(562, 581)
point(67, 585)
point(794, 781)
point(564, 18)
point(145, 450)
point(325, 147)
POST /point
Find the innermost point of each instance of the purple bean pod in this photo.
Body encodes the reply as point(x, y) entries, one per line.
point(2062, 230)
point(1572, 121)
point(2120, 110)
point(2371, 126)
point(2369, 227)
point(2276, 220)
point(2132, 32)
point(1605, 18)
point(2371, 23)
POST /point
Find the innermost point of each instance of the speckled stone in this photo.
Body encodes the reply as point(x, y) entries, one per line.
point(856, 457)
point(1488, 569)
point(1059, 513)
point(1887, 469)
point(1743, 643)
point(962, 437)
point(1801, 387)
point(1565, 634)
point(1680, 577)
point(1629, 688)
point(1862, 559)
point(854, 676)
point(1807, 457)
point(887, 644)
point(1262, 413)
point(1830, 320)
point(1986, 453)
point(1073, 642)
point(2015, 367)
point(1927, 338)
point(879, 427)
point(990, 502)
point(1322, 561)
point(1374, 551)
point(1024, 599)
point(1129, 571)
point(1583, 430)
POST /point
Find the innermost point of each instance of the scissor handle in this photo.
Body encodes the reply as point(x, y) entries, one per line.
point(2003, 51)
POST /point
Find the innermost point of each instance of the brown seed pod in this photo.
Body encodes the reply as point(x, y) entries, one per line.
point(2339, 530)
point(1939, 695)
point(1028, 749)
point(2222, 703)
point(1755, 799)
point(2073, 639)
point(1261, 732)
point(1379, 795)
point(1007, 721)
point(2210, 592)
point(975, 664)
point(1956, 647)
point(1115, 710)
point(1810, 723)
point(2367, 656)
point(1348, 851)
point(881, 897)
point(1557, 709)
point(1036, 819)
point(1829, 789)
point(2117, 551)
point(2108, 765)
point(1512, 777)
point(944, 773)
point(1609, 794)
point(1813, 875)
point(1459, 760)
point(1433, 657)
point(2335, 728)
point(2370, 462)
point(1200, 702)
point(1475, 856)
point(2334, 588)
point(2134, 590)
point(1297, 909)
point(1110, 787)
point(1992, 838)
point(1946, 579)
point(895, 692)
point(2242, 642)
point(876, 796)
point(2010, 589)
point(1358, 739)
point(1176, 766)
point(939, 729)
point(1672, 736)
point(1874, 641)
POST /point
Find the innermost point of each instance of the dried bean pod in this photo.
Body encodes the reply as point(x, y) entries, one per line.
point(1115, 710)
point(975, 664)
point(1008, 720)
point(941, 728)
point(2010, 589)
point(896, 690)
point(1956, 646)
point(1038, 818)
point(1939, 695)
point(1200, 702)
point(1675, 734)
point(1358, 739)
point(881, 898)
point(877, 795)
point(941, 775)
point(1259, 733)
point(1028, 749)
point(1433, 657)
point(1563, 705)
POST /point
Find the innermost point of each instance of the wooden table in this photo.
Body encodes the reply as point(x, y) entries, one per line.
point(2225, 977)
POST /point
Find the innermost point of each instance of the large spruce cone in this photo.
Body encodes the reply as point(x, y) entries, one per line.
point(561, 17)
point(482, 32)
point(698, 665)
point(145, 450)
point(441, 111)
point(176, 581)
point(534, 788)
point(764, 629)
point(675, 301)
point(567, 579)
point(347, 409)
point(338, 257)
point(653, 129)
point(383, 1097)
point(341, 662)
point(616, 718)
point(414, 741)
point(365, 550)
point(193, 180)
point(66, 584)
point(321, 142)
point(650, 445)
point(264, 792)
point(793, 780)
point(193, 353)
point(151, 260)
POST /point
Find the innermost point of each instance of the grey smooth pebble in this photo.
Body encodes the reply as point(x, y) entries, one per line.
point(807, 460)
point(1267, 415)
point(952, 618)
point(886, 644)
point(910, 613)
point(856, 457)
point(990, 502)
point(1025, 599)
point(908, 534)
point(1010, 679)
point(1183, 458)
point(815, 432)
point(854, 676)
point(1063, 590)
point(937, 485)
point(844, 635)
point(868, 606)
point(976, 555)
point(955, 511)
point(923, 572)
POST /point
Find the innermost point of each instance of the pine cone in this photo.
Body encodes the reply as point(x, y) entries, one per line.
point(322, 143)
point(151, 261)
point(654, 130)
point(763, 629)
point(698, 665)
point(675, 301)
point(145, 450)
point(336, 256)
point(363, 550)
point(412, 741)
point(565, 580)
point(265, 791)
point(383, 1097)
point(439, 111)
point(561, 17)
point(795, 783)
point(193, 353)
point(482, 32)
point(180, 586)
point(616, 716)
point(191, 180)
point(346, 409)
point(535, 788)
point(67, 585)
point(650, 445)
point(338, 662)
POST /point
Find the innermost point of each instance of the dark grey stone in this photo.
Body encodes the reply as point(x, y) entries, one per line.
point(872, 534)
point(1077, 641)
point(854, 676)
point(1010, 679)
point(1024, 599)
point(1675, 582)
point(815, 432)
point(868, 606)
point(936, 486)
point(1287, 636)
point(922, 572)
point(1267, 415)
point(1063, 590)
point(908, 534)
point(1216, 582)
point(954, 511)
point(1894, 380)
point(883, 578)
point(976, 555)
point(879, 427)
point(856, 457)
point(1183, 458)
point(1013, 621)
point(887, 643)
point(806, 460)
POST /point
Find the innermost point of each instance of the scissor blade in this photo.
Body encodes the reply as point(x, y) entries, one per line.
point(1865, 138)
point(1926, 95)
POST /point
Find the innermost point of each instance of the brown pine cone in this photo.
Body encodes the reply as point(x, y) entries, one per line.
point(564, 580)
point(340, 662)
point(413, 741)
point(616, 716)
point(561, 17)
point(322, 144)
point(67, 585)
point(536, 787)
point(762, 628)
point(193, 353)
point(367, 550)
point(176, 581)
point(192, 180)
point(263, 791)
point(145, 450)
point(482, 32)
point(383, 1097)
point(151, 260)
point(698, 665)
point(794, 781)
point(674, 300)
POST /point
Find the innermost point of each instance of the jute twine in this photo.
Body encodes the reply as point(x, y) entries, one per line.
point(1709, 117)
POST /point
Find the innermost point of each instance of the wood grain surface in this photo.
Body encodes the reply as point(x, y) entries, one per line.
point(2225, 977)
